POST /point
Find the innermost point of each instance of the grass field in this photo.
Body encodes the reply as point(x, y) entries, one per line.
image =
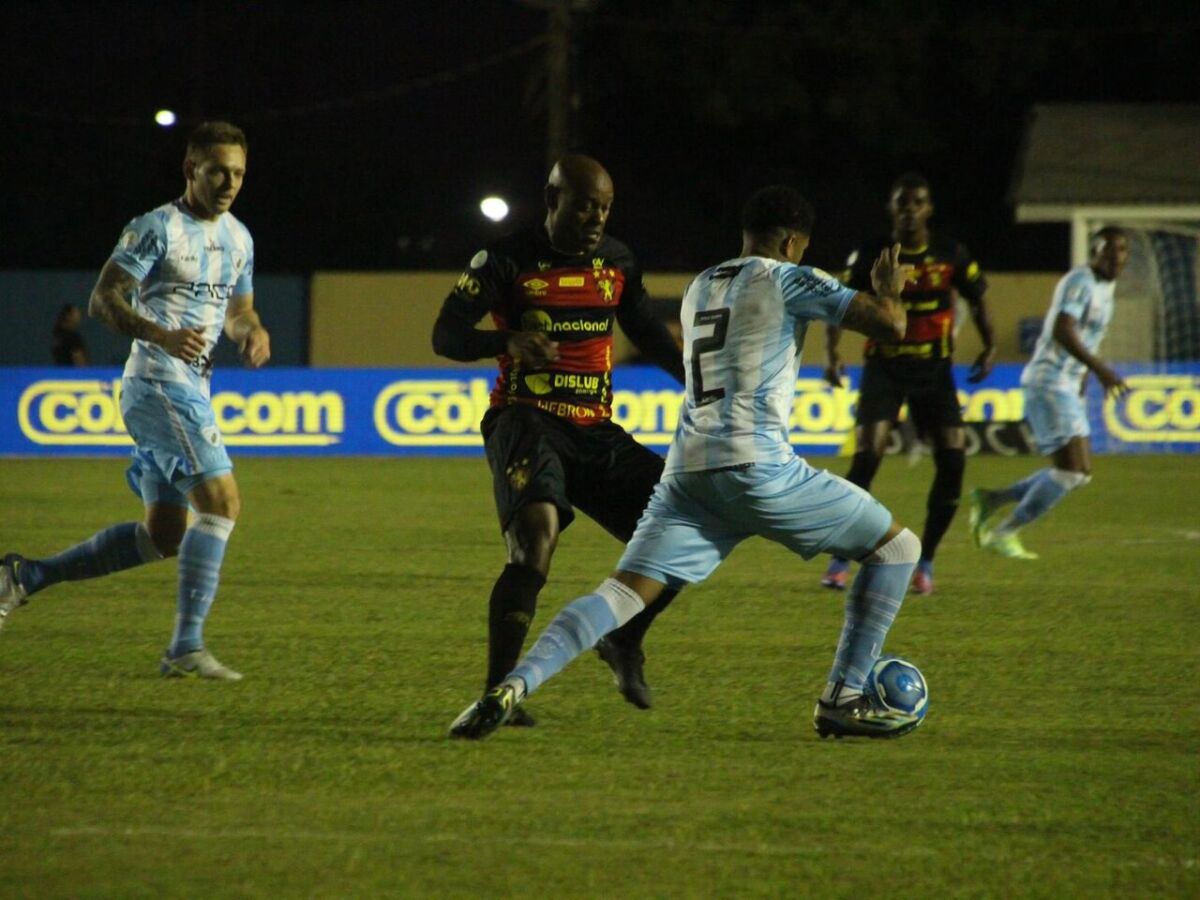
point(1059, 759)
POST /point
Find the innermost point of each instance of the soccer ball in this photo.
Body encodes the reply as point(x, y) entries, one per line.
point(899, 685)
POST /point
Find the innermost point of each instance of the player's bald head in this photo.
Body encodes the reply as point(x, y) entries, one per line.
point(578, 173)
point(579, 194)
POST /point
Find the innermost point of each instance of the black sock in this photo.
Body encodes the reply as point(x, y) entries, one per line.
point(632, 632)
point(943, 498)
point(510, 612)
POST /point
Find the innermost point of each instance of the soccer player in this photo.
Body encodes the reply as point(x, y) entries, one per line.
point(731, 472)
point(179, 275)
point(1054, 381)
point(915, 368)
point(553, 291)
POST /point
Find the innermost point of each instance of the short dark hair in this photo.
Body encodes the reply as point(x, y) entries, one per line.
point(777, 207)
point(1103, 235)
point(208, 134)
point(910, 181)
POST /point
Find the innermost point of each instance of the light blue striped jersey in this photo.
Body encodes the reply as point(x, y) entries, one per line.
point(189, 268)
point(743, 324)
point(1089, 302)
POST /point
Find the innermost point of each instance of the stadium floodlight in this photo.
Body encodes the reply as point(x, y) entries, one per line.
point(165, 118)
point(494, 208)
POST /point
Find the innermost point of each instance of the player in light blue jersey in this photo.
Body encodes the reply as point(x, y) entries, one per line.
point(179, 276)
point(1054, 383)
point(731, 472)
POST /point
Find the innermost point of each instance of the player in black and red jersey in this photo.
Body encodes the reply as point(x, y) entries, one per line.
point(553, 292)
point(916, 369)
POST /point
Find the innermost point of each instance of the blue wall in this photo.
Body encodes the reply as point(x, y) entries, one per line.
point(30, 300)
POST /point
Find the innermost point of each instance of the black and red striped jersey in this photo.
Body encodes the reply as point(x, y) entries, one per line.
point(524, 284)
point(941, 268)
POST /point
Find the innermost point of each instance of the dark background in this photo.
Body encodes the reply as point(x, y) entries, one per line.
point(375, 128)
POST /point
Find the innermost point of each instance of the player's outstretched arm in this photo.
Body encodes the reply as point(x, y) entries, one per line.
point(244, 328)
point(108, 304)
point(1066, 332)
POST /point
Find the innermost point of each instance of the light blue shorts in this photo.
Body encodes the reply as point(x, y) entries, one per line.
point(178, 443)
point(695, 519)
point(1055, 416)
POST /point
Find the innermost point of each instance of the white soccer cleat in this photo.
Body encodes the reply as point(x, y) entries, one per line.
point(12, 594)
point(197, 664)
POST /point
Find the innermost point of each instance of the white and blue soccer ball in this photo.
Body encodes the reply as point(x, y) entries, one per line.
point(899, 685)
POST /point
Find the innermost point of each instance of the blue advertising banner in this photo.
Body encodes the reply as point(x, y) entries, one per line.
point(352, 412)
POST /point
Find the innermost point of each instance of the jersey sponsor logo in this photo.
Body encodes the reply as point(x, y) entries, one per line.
point(578, 383)
point(206, 289)
point(569, 281)
point(538, 383)
point(467, 284)
point(816, 282)
point(540, 320)
point(1157, 408)
point(82, 413)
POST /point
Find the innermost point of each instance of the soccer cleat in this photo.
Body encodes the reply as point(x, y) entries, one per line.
point(978, 512)
point(521, 718)
point(196, 664)
point(12, 594)
point(864, 716)
point(626, 664)
point(487, 713)
point(922, 581)
point(1008, 545)
point(836, 575)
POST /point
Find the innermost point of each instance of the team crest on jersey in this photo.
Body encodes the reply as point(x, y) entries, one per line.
point(478, 260)
point(535, 287)
point(518, 474)
point(128, 240)
point(606, 286)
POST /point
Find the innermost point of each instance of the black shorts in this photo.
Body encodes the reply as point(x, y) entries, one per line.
point(536, 457)
point(926, 385)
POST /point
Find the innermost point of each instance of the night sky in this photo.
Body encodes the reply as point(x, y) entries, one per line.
point(375, 128)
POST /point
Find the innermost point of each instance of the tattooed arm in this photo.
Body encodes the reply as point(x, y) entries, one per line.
point(109, 304)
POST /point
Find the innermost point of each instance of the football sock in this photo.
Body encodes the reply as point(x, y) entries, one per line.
point(510, 612)
point(576, 628)
point(200, 556)
point(1050, 486)
point(1015, 491)
point(634, 631)
point(925, 567)
point(119, 547)
point(871, 607)
point(943, 498)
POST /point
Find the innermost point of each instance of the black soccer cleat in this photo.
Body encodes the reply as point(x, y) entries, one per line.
point(487, 713)
point(626, 664)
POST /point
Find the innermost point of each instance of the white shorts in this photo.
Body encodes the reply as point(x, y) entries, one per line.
point(695, 519)
point(1055, 416)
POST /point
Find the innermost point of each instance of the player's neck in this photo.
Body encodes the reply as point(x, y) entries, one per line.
point(751, 248)
point(911, 242)
point(196, 211)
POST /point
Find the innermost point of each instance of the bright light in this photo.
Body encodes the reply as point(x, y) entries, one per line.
point(494, 208)
point(165, 118)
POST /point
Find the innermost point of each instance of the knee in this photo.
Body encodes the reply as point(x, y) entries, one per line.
point(532, 546)
point(864, 466)
point(165, 538)
point(903, 548)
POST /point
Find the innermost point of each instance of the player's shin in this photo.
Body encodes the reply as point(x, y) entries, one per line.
point(871, 607)
point(200, 555)
point(1046, 491)
point(510, 612)
point(943, 498)
point(575, 629)
point(112, 550)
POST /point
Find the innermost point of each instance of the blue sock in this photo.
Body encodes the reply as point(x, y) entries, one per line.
point(1016, 491)
point(577, 627)
point(875, 598)
point(925, 566)
point(200, 555)
point(1039, 499)
point(119, 547)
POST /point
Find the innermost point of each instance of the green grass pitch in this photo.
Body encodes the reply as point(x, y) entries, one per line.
point(1059, 759)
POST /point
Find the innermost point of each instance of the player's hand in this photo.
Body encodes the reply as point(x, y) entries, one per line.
point(1111, 381)
point(834, 370)
point(983, 365)
point(256, 348)
point(187, 344)
point(888, 274)
point(532, 348)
